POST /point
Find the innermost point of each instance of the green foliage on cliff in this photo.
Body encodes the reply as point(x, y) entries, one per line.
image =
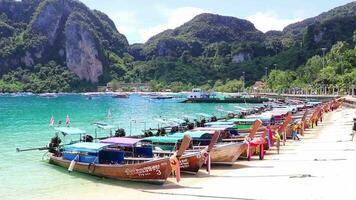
point(337, 70)
point(33, 32)
point(210, 51)
point(41, 78)
point(212, 47)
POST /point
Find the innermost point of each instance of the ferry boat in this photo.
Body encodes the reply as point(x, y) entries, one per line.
point(199, 96)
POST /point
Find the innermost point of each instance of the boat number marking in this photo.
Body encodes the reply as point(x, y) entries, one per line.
point(145, 171)
point(183, 163)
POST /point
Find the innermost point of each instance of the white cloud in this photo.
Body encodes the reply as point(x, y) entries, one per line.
point(266, 21)
point(125, 21)
point(175, 17)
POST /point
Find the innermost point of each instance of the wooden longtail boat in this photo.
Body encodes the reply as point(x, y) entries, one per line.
point(221, 153)
point(248, 143)
point(104, 160)
point(226, 153)
point(155, 171)
point(190, 161)
point(230, 151)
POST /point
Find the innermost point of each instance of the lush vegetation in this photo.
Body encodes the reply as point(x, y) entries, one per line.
point(205, 49)
point(336, 72)
point(30, 37)
point(210, 51)
point(42, 78)
point(219, 86)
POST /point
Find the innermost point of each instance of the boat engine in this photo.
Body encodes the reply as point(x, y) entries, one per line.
point(213, 119)
point(174, 129)
point(120, 132)
point(202, 122)
point(54, 144)
point(190, 126)
point(163, 132)
point(88, 138)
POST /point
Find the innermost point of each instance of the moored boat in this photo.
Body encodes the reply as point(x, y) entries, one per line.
point(146, 170)
point(133, 147)
point(110, 160)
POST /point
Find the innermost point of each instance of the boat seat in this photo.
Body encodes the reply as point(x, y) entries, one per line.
point(111, 157)
point(143, 152)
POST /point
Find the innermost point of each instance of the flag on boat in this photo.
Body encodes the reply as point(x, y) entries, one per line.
point(51, 122)
point(67, 120)
point(109, 114)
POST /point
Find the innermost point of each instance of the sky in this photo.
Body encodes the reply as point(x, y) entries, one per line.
point(139, 20)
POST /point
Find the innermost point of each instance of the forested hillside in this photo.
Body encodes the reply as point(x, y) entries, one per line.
point(61, 45)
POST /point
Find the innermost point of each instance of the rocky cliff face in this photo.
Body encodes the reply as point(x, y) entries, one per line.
point(65, 31)
point(82, 54)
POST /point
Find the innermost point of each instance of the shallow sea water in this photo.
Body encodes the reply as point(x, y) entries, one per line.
point(24, 123)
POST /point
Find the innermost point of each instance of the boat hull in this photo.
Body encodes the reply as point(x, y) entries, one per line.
point(191, 162)
point(227, 153)
point(155, 171)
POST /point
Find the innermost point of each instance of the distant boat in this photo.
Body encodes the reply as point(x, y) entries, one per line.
point(198, 96)
point(120, 96)
point(160, 97)
point(48, 95)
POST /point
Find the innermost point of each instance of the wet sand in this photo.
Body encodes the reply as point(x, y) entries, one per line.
point(322, 165)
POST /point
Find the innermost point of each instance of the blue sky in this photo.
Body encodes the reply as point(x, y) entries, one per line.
point(141, 19)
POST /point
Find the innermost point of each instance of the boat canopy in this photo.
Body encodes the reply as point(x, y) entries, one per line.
point(204, 115)
point(209, 129)
point(189, 117)
point(180, 121)
point(193, 134)
point(174, 138)
point(219, 123)
point(169, 123)
point(88, 147)
point(236, 120)
point(163, 139)
point(70, 130)
point(105, 126)
point(222, 126)
point(121, 141)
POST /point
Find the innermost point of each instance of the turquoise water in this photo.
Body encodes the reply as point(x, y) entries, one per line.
point(24, 122)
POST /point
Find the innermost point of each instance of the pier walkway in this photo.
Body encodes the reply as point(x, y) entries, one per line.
point(320, 166)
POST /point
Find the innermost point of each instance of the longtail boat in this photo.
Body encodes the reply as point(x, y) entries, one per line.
point(107, 160)
point(221, 153)
point(190, 162)
point(250, 140)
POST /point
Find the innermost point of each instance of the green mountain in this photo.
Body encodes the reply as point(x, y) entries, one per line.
point(65, 32)
point(62, 45)
point(198, 35)
point(212, 47)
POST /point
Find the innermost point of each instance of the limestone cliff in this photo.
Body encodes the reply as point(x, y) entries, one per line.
point(65, 31)
point(82, 51)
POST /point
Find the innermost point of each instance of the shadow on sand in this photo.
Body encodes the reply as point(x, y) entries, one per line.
point(190, 196)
